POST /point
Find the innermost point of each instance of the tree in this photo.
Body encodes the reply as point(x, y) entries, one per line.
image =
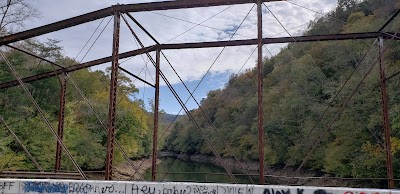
point(84, 136)
point(299, 85)
point(14, 13)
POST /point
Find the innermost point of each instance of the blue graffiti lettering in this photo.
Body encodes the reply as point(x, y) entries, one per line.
point(43, 187)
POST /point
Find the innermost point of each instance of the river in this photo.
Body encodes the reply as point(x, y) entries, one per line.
point(189, 171)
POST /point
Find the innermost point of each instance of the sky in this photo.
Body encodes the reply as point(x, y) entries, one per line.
point(178, 26)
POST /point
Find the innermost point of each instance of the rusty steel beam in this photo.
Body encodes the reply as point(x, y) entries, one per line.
point(60, 131)
point(113, 98)
point(156, 98)
point(33, 55)
point(211, 44)
point(329, 37)
point(141, 7)
point(260, 111)
point(313, 38)
point(141, 27)
point(390, 20)
point(392, 76)
point(386, 122)
point(41, 113)
point(76, 67)
point(156, 106)
point(45, 175)
point(135, 76)
point(350, 36)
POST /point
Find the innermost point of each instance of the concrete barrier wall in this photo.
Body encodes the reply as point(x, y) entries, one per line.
point(13, 186)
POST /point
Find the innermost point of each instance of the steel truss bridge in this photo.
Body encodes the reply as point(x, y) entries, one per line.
point(123, 11)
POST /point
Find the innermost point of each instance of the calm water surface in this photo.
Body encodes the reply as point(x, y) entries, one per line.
point(190, 171)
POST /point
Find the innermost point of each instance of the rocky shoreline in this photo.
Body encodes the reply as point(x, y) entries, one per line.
point(126, 172)
point(206, 159)
point(303, 178)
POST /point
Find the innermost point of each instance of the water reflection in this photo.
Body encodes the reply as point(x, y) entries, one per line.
point(190, 171)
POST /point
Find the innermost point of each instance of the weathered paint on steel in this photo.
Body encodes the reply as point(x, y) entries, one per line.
point(351, 36)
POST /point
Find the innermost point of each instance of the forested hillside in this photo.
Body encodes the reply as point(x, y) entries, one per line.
point(84, 135)
point(300, 83)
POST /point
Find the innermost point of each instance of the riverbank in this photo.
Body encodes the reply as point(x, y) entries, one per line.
point(125, 171)
point(277, 175)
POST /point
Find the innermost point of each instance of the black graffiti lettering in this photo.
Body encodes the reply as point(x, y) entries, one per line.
point(203, 190)
point(320, 191)
point(272, 191)
point(173, 190)
point(179, 191)
point(147, 190)
point(6, 185)
point(167, 191)
point(232, 190)
point(182, 191)
point(250, 190)
point(135, 189)
point(189, 189)
point(81, 188)
point(109, 189)
point(224, 189)
point(300, 191)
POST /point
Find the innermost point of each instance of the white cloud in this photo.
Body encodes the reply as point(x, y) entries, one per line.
point(190, 64)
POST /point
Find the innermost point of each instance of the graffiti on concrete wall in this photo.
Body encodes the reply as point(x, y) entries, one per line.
point(10, 186)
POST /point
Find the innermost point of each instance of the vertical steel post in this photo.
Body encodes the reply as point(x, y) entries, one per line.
point(60, 132)
point(386, 127)
point(260, 94)
point(156, 105)
point(113, 98)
